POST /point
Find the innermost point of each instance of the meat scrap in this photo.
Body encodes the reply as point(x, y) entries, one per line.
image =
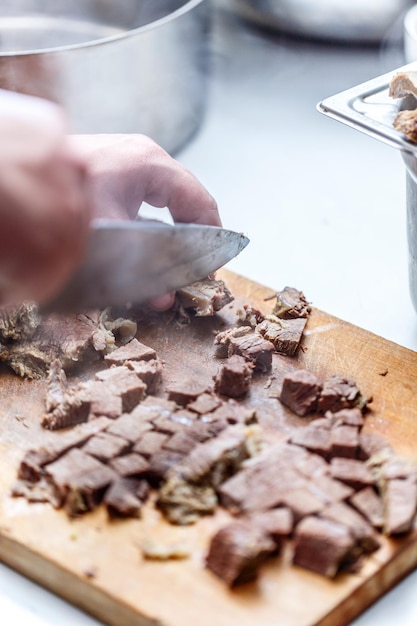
point(125, 497)
point(403, 84)
point(406, 122)
point(132, 351)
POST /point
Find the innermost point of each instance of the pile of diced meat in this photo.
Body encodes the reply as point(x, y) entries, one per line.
point(326, 490)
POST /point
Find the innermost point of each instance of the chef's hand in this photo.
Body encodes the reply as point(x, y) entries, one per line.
point(127, 170)
point(45, 203)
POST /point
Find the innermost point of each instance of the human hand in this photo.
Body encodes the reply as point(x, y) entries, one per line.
point(45, 201)
point(128, 170)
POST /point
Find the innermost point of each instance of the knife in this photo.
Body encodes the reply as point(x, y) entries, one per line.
point(133, 261)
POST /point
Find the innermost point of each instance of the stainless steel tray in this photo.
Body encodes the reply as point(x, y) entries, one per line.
point(369, 109)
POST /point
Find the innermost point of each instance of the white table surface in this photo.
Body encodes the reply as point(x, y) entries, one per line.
point(323, 205)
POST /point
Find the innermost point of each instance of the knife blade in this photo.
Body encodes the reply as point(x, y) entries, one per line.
point(133, 261)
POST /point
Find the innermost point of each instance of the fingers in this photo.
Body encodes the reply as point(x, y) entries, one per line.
point(131, 169)
point(162, 303)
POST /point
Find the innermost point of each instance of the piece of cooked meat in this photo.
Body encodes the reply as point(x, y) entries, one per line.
point(205, 297)
point(406, 123)
point(300, 392)
point(234, 377)
point(237, 551)
point(285, 334)
point(291, 303)
point(403, 84)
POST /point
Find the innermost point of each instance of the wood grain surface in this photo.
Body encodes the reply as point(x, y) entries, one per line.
point(97, 564)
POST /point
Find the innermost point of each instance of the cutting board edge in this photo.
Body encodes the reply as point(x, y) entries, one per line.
point(68, 586)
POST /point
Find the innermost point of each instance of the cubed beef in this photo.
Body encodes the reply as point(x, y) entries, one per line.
point(338, 393)
point(286, 335)
point(291, 303)
point(205, 297)
point(237, 551)
point(149, 443)
point(300, 392)
point(132, 351)
point(150, 372)
point(370, 444)
point(344, 441)
point(204, 403)
point(361, 530)
point(369, 503)
point(400, 503)
point(129, 427)
point(254, 348)
point(277, 523)
point(352, 472)
point(346, 417)
point(131, 464)
point(184, 392)
point(323, 546)
point(234, 377)
point(105, 446)
point(121, 499)
point(314, 437)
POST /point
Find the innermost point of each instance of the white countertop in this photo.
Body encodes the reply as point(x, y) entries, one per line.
point(323, 205)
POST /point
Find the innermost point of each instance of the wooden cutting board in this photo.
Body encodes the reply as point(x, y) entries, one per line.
point(97, 564)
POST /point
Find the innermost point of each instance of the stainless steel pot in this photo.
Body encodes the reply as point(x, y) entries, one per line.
point(118, 66)
point(344, 20)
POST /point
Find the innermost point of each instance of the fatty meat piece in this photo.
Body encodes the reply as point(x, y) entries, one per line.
point(184, 502)
point(337, 393)
point(253, 347)
point(150, 372)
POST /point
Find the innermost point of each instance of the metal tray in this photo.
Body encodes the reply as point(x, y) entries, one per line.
point(369, 109)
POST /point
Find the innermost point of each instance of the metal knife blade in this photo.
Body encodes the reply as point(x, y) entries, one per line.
point(131, 262)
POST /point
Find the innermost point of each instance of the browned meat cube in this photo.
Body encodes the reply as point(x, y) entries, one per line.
point(352, 472)
point(103, 400)
point(159, 404)
point(32, 464)
point(254, 348)
point(314, 437)
point(237, 551)
point(149, 443)
point(346, 417)
point(330, 490)
point(74, 409)
point(205, 297)
point(234, 377)
point(301, 501)
point(79, 480)
point(181, 442)
point(291, 303)
point(286, 335)
point(204, 403)
point(369, 503)
point(323, 546)
point(338, 393)
point(160, 463)
point(105, 446)
point(344, 441)
point(184, 392)
point(132, 351)
point(224, 338)
point(132, 464)
point(343, 514)
point(129, 426)
point(277, 523)
point(370, 444)
point(300, 392)
point(400, 503)
point(127, 385)
point(121, 499)
point(150, 372)
point(218, 458)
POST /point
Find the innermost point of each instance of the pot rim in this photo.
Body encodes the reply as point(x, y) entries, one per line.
point(170, 17)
